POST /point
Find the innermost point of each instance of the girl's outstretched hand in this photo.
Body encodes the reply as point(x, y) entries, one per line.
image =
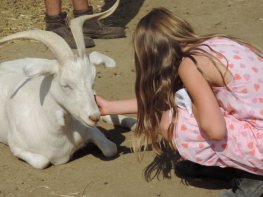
point(125, 106)
point(103, 105)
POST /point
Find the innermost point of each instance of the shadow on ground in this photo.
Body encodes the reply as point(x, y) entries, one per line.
point(124, 13)
point(116, 135)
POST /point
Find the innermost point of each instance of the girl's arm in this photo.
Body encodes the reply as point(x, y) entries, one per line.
point(205, 106)
point(128, 106)
point(166, 120)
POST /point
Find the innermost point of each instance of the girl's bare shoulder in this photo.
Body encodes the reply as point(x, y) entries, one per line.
point(212, 70)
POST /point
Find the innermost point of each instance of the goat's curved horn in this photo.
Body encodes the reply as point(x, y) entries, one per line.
point(55, 43)
point(76, 26)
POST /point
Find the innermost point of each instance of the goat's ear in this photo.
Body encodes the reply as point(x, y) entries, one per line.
point(41, 69)
point(97, 58)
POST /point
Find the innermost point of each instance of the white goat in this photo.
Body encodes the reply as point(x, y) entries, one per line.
point(47, 107)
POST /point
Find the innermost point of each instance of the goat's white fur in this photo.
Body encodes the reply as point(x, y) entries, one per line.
point(47, 107)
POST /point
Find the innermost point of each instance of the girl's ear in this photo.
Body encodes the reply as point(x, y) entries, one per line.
point(97, 58)
point(41, 69)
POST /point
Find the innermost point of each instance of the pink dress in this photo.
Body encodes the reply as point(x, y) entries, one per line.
point(242, 148)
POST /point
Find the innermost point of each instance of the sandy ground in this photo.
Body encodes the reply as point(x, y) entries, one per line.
point(89, 174)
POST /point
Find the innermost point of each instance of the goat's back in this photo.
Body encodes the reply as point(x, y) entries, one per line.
point(16, 91)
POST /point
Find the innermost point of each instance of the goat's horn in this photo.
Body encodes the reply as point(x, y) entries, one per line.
point(76, 26)
point(55, 43)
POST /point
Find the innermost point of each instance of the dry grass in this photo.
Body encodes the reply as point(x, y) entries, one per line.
point(21, 15)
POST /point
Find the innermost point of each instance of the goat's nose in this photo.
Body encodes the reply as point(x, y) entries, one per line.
point(94, 117)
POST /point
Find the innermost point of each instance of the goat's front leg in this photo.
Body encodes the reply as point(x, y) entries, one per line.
point(107, 147)
point(121, 120)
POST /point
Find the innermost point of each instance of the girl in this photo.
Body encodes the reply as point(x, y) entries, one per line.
point(222, 76)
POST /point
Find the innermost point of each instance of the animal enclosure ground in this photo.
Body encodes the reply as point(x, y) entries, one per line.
point(89, 174)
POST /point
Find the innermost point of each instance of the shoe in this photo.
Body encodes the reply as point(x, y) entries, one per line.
point(96, 29)
point(58, 24)
point(245, 187)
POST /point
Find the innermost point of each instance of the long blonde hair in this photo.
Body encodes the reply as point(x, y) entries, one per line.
point(159, 40)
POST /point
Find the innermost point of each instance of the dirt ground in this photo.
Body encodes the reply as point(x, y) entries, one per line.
point(89, 174)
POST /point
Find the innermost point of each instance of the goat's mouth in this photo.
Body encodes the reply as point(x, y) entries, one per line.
point(88, 120)
point(89, 123)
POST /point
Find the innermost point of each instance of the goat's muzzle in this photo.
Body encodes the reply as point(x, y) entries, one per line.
point(95, 118)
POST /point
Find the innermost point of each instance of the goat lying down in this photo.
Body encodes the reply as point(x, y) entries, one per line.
point(47, 107)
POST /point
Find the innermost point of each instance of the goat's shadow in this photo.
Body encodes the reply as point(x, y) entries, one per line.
point(115, 135)
point(126, 11)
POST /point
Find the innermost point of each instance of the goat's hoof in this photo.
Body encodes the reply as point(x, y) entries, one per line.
point(110, 151)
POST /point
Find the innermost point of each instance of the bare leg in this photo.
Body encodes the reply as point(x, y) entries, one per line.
point(53, 7)
point(80, 4)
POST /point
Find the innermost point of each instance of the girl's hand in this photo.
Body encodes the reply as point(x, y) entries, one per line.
point(103, 105)
point(126, 106)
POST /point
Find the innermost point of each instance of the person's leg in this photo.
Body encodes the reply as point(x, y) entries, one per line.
point(80, 4)
point(92, 28)
point(56, 21)
point(53, 7)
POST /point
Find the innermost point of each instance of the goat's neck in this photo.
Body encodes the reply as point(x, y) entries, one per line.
point(63, 118)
